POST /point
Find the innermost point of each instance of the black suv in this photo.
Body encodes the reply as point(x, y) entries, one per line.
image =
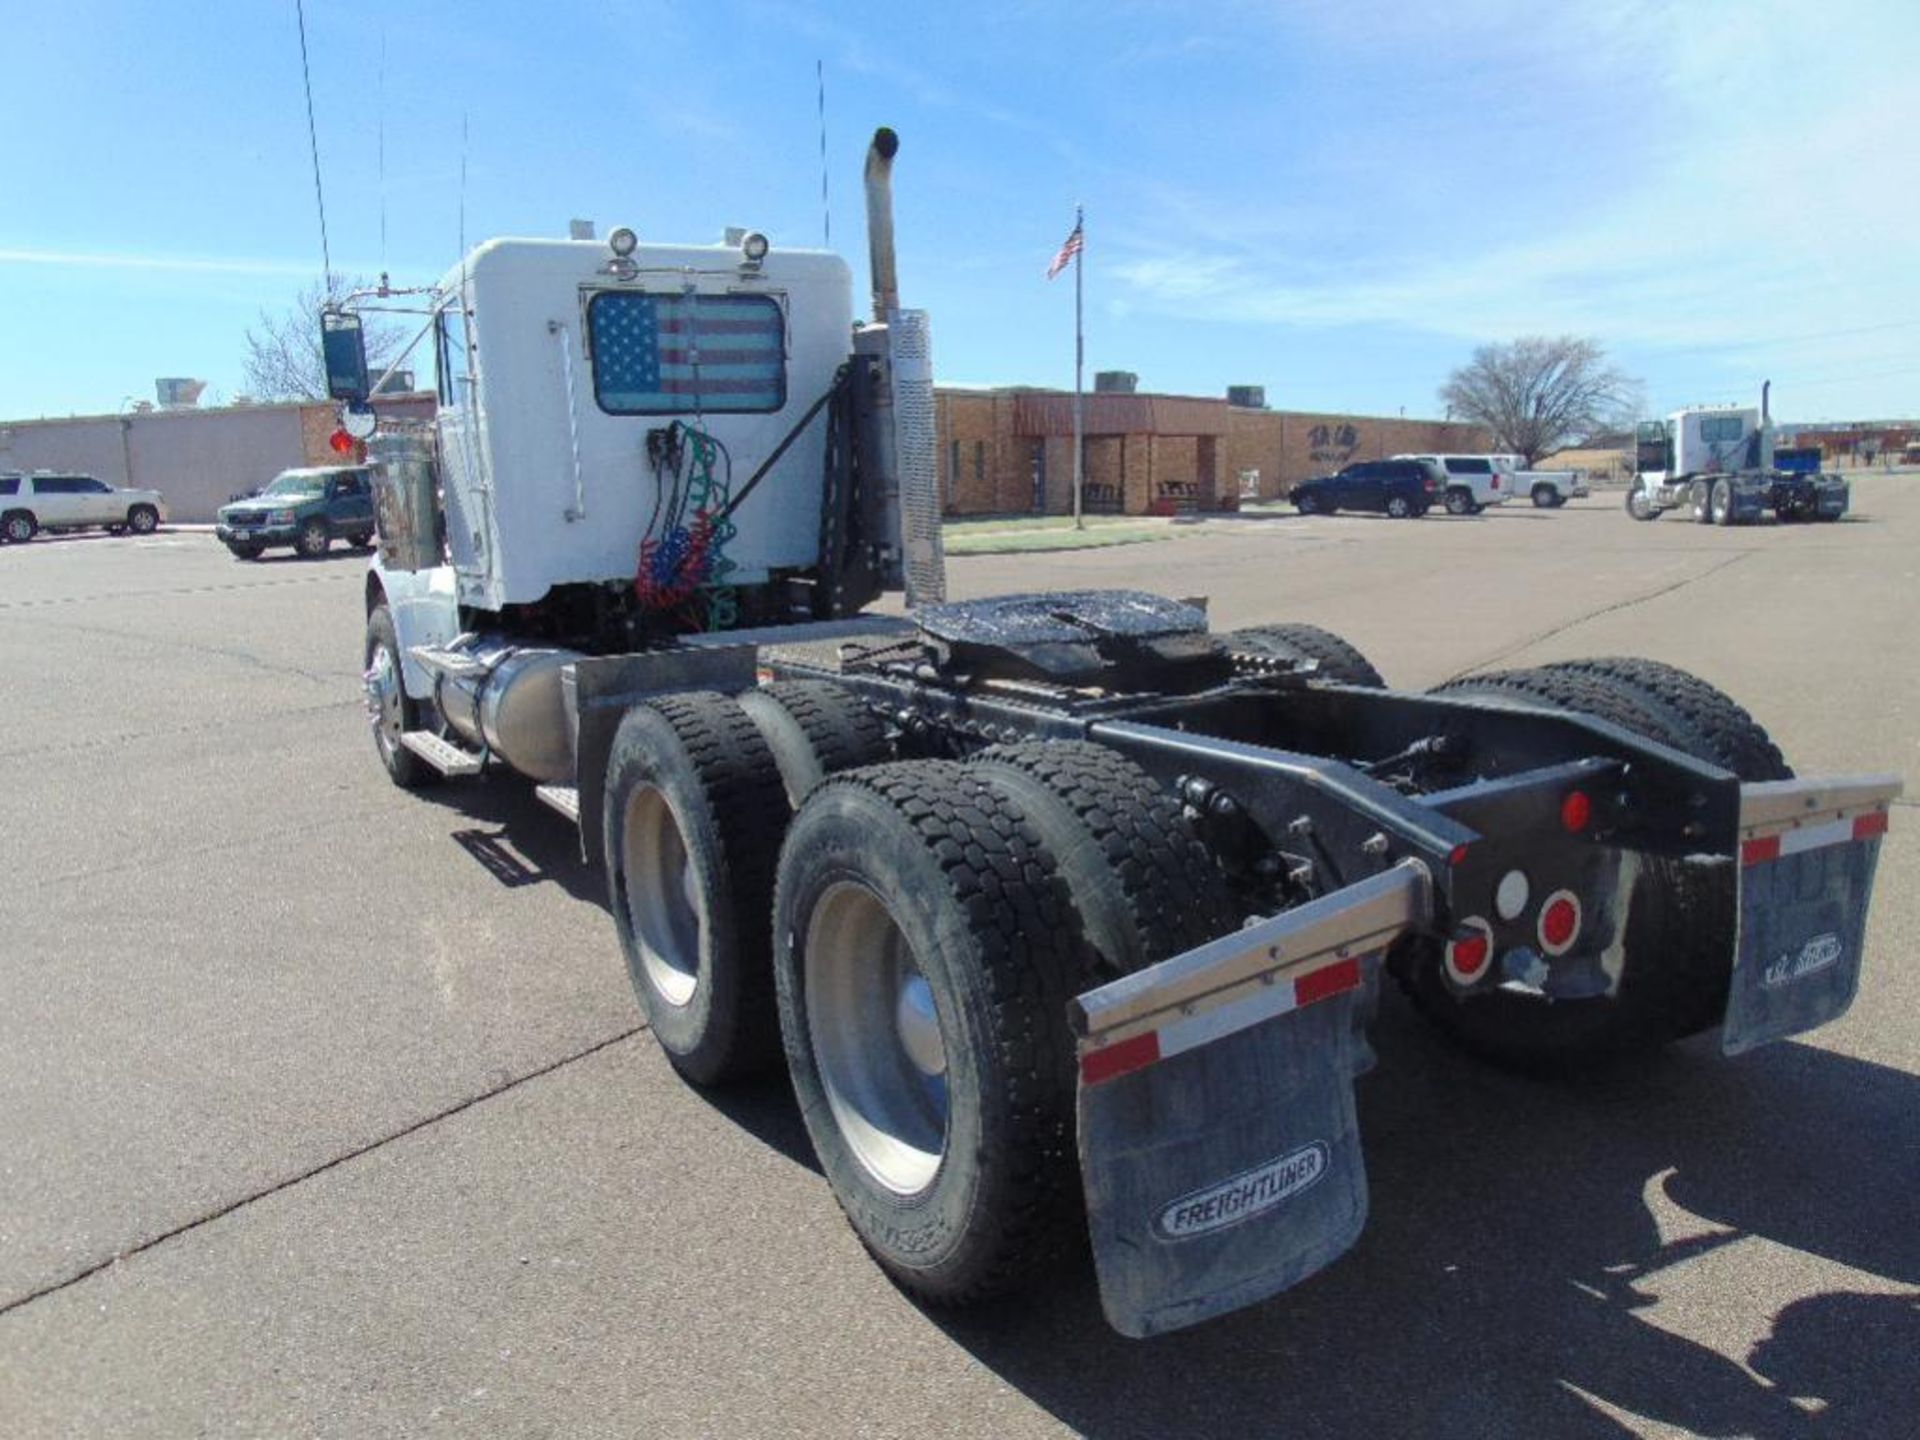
point(1400, 488)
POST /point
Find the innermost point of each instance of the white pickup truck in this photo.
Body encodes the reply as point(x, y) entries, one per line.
point(48, 501)
point(1472, 483)
point(1550, 489)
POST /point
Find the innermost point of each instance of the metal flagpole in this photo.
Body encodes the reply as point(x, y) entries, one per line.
point(1079, 364)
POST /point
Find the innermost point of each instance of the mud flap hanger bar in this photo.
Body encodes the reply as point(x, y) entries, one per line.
point(1218, 1140)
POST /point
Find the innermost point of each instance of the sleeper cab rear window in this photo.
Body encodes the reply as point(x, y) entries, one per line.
point(677, 354)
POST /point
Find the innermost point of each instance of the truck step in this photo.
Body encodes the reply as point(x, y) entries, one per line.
point(442, 755)
point(563, 798)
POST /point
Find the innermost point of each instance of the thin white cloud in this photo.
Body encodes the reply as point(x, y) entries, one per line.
point(1761, 205)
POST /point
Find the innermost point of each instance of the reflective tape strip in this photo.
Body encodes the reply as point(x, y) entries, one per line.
point(1190, 1032)
point(1763, 848)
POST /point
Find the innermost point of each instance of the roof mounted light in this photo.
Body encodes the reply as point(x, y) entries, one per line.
point(754, 247)
point(622, 242)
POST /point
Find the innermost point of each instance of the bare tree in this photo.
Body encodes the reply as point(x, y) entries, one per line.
point(283, 360)
point(1538, 393)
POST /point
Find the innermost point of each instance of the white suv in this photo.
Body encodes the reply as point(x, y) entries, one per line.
point(1472, 483)
point(46, 501)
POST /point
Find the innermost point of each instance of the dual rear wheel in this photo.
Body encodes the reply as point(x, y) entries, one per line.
point(908, 934)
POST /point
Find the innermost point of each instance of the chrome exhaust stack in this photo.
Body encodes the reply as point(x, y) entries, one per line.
point(880, 253)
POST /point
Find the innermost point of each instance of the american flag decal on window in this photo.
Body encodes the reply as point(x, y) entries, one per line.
point(674, 354)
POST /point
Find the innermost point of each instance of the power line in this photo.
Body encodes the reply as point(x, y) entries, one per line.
point(313, 140)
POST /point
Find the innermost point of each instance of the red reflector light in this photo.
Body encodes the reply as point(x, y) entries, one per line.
point(1559, 922)
point(1576, 811)
point(1866, 827)
point(1469, 952)
point(1458, 855)
point(1759, 852)
point(1332, 979)
point(341, 442)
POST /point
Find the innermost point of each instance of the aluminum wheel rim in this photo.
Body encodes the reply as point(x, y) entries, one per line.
point(1719, 503)
point(877, 1039)
point(17, 531)
point(141, 522)
point(1639, 502)
point(662, 894)
point(383, 699)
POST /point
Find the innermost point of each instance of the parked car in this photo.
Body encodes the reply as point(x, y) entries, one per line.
point(1472, 483)
point(1400, 488)
point(46, 501)
point(306, 509)
point(1548, 489)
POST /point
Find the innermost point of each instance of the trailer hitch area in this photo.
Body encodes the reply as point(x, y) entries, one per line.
point(1219, 1146)
point(1808, 849)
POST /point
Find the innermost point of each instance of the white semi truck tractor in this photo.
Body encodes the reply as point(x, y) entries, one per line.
point(1716, 463)
point(1063, 913)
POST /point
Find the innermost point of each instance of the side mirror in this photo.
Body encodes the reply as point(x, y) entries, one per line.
point(343, 347)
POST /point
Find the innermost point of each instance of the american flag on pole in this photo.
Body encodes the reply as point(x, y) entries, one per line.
point(667, 354)
point(1067, 252)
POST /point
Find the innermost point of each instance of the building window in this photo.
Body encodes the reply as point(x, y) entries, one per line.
point(953, 470)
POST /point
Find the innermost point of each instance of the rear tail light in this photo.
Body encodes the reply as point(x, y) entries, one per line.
point(1576, 811)
point(1469, 952)
point(1559, 923)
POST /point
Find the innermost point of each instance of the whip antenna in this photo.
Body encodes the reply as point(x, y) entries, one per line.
point(313, 140)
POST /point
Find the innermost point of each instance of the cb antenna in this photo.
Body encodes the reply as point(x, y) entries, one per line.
point(313, 141)
point(826, 211)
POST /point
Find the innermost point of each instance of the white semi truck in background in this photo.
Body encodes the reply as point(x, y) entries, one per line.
point(1717, 463)
point(1062, 912)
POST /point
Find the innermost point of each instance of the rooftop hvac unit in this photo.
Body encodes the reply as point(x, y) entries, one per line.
point(1115, 382)
point(1247, 397)
point(178, 392)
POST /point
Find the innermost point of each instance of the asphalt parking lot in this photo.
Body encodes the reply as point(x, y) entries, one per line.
point(325, 1109)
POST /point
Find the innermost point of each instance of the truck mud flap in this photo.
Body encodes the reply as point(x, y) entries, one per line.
point(1807, 854)
point(1218, 1141)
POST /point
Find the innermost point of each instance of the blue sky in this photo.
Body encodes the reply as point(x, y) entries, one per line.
point(1338, 201)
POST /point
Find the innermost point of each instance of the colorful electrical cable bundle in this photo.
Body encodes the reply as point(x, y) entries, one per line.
point(687, 560)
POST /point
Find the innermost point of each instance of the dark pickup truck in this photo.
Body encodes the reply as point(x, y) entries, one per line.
point(305, 509)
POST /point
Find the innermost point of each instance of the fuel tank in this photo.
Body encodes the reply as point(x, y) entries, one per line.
point(508, 700)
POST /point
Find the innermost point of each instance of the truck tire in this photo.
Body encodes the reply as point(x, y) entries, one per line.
point(1640, 504)
point(142, 519)
point(390, 711)
point(19, 527)
point(693, 819)
point(1673, 973)
point(313, 540)
point(1460, 502)
point(1706, 722)
point(1720, 502)
point(926, 954)
point(814, 729)
point(1339, 661)
point(1700, 497)
point(1143, 884)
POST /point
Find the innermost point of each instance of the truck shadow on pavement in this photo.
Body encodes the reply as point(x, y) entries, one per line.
point(1523, 1242)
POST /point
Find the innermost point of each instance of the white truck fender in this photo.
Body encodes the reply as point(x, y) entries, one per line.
point(425, 612)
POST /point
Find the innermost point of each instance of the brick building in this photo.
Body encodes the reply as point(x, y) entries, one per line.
point(1010, 451)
